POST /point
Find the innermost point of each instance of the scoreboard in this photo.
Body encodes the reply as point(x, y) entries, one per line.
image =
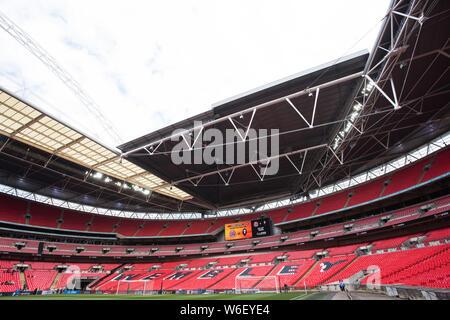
point(248, 229)
point(262, 227)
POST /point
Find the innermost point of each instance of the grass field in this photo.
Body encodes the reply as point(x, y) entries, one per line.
point(256, 296)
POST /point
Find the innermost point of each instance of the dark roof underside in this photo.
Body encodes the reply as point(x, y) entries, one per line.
point(332, 104)
point(418, 67)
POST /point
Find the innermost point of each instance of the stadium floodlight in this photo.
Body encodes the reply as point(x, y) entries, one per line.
point(336, 142)
point(357, 106)
point(353, 116)
point(366, 90)
point(348, 126)
point(108, 179)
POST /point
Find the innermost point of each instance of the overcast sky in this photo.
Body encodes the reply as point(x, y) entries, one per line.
point(148, 64)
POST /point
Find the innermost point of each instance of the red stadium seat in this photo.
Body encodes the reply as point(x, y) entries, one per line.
point(12, 209)
point(440, 165)
point(406, 177)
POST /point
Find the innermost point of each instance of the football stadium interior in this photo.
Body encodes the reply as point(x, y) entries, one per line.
point(361, 194)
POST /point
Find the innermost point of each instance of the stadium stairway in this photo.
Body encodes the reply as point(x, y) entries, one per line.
point(210, 226)
point(355, 279)
point(316, 208)
point(60, 220)
point(349, 197)
point(115, 227)
point(140, 227)
point(162, 229)
point(424, 171)
point(185, 229)
point(27, 214)
point(385, 185)
point(305, 275)
point(358, 277)
point(287, 214)
point(89, 224)
point(55, 281)
point(23, 281)
point(268, 273)
point(335, 274)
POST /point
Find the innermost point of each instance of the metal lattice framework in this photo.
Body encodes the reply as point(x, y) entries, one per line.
point(23, 122)
point(379, 84)
point(191, 135)
point(396, 164)
point(388, 108)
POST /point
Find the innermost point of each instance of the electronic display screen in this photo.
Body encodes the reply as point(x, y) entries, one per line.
point(248, 229)
point(261, 227)
point(238, 230)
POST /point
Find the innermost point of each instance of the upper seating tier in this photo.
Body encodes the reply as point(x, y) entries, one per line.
point(16, 209)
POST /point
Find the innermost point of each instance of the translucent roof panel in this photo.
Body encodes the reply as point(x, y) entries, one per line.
point(14, 114)
point(124, 169)
point(20, 121)
point(48, 133)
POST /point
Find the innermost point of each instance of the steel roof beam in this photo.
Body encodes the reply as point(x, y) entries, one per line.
point(250, 110)
point(201, 176)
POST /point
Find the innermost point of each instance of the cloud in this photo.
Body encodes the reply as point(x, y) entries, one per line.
point(148, 64)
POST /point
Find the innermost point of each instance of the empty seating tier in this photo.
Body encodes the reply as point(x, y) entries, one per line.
point(36, 214)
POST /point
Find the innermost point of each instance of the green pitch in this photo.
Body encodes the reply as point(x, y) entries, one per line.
point(256, 296)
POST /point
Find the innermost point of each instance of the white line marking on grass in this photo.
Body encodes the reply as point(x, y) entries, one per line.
point(299, 297)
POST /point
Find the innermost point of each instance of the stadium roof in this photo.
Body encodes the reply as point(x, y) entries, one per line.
point(335, 121)
point(306, 105)
point(23, 122)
